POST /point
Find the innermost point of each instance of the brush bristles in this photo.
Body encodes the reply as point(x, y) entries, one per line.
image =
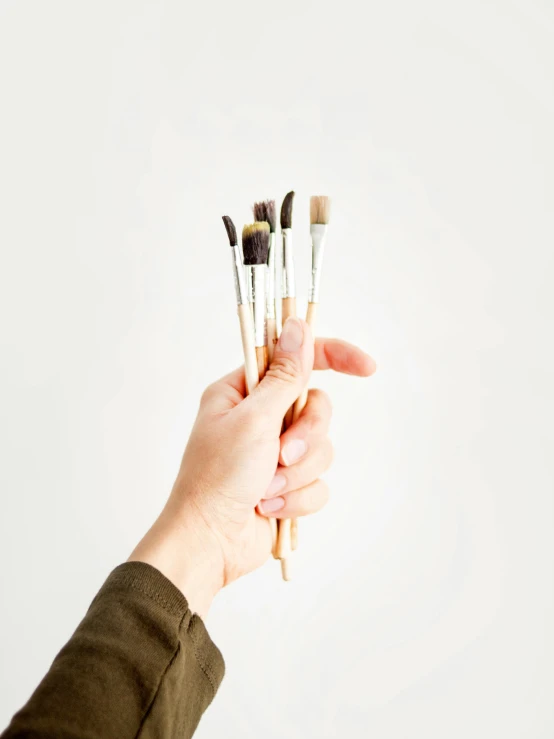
point(320, 209)
point(231, 230)
point(265, 211)
point(286, 210)
point(255, 243)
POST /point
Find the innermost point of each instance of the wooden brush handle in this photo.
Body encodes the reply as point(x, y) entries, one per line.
point(271, 337)
point(262, 360)
point(289, 311)
point(289, 308)
point(284, 547)
point(301, 402)
point(262, 357)
point(254, 370)
point(297, 410)
point(248, 349)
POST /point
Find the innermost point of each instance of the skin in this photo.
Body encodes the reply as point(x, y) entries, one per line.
point(238, 470)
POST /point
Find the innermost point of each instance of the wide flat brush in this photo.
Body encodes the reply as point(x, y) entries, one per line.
point(255, 248)
point(251, 370)
point(265, 211)
point(244, 311)
point(320, 212)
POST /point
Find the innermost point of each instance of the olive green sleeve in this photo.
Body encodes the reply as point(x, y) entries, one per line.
point(140, 664)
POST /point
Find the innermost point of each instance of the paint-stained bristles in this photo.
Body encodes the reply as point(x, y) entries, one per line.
point(286, 210)
point(231, 230)
point(320, 209)
point(265, 211)
point(255, 243)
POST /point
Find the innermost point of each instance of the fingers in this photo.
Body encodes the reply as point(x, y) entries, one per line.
point(309, 468)
point(303, 502)
point(306, 450)
point(342, 357)
point(312, 425)
point(288, 373)
point(225, 393)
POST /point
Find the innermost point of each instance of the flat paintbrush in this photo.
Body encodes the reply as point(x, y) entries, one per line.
point(320, 212)
point(255, 248)
point(251, 370)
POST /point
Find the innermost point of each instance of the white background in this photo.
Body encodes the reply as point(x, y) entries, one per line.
point(422, 604)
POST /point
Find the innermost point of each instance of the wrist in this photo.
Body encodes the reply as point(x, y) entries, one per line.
point(185, 550)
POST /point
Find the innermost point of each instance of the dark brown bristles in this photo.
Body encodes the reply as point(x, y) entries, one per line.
point(265, 211)
point(231, 230)
point(286, 210)
point(255, 243)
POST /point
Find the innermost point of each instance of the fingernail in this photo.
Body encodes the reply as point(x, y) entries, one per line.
point(278, 483)
point(292, 335)
point(271, 505)
point(293, 451)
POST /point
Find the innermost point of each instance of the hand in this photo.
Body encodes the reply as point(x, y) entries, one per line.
point(238, 470)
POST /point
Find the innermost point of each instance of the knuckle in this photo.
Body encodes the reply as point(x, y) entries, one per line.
point(322, 399)
point(209, 393)
point(284, 369)
point(319, 409)
point(316, 420)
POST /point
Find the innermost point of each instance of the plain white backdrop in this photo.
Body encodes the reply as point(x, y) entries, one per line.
point(423, 598)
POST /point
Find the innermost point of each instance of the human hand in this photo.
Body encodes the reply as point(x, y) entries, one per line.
point(238, 469)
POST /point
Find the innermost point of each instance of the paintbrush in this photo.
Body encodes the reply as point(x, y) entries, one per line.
point(251, 370)
point(265, 211)
point(255, 248)
point(320, 212)
point(244, 310)
point(288, 295)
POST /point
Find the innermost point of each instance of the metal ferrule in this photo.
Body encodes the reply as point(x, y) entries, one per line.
point(288, 284)
point(238, 274)
point(248, 280)
point(258, 290)
point(318, 232)
point(270, 279)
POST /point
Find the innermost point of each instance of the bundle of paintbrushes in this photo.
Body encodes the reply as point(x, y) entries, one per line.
point(266, 296)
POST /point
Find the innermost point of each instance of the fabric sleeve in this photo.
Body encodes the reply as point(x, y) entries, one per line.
point(140, 664)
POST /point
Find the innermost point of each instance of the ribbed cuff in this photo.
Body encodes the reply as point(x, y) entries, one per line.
point(150, 581)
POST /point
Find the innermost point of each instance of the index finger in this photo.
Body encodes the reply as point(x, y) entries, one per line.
point(342, 357)
point(333, 354)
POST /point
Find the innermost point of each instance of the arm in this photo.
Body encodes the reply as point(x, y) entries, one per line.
point(140, 663)
point(139, 660)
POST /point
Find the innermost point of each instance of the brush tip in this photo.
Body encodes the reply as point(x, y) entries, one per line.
point(264, 210)
point(255, 243)
point(231, 230)
point(320, 209)
point(286, 210)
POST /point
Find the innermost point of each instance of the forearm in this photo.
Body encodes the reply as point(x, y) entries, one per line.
point(139, 664)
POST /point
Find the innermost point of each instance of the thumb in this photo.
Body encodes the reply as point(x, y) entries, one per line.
point(289, 371)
